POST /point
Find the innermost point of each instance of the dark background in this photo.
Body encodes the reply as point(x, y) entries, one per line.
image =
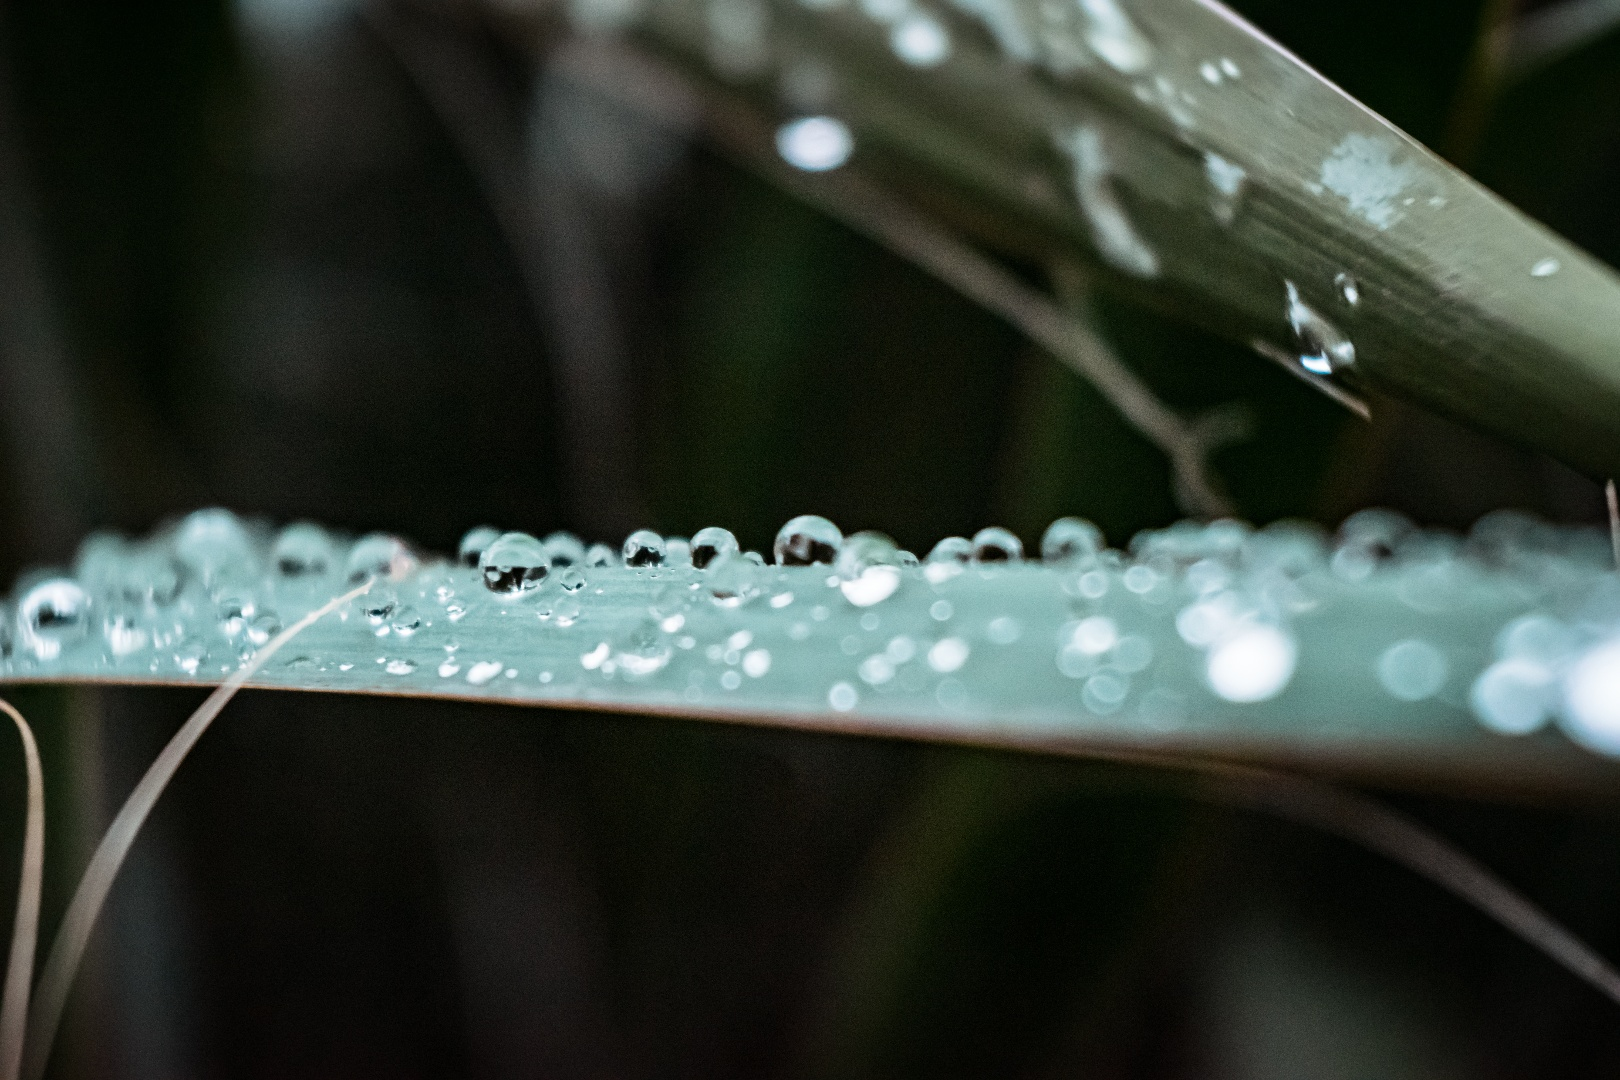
point(242, 262)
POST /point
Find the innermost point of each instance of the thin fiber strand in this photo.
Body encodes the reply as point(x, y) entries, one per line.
point(74, 935)
point(25, 927)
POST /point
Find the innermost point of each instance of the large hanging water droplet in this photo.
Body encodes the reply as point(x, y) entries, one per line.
point(1323, 348)
point(378, 555)
point(303, 550)
point(644, 548)
point(52, 616)
point(807, 540)
point(515, 565)
point(711, 543)
point(473, 544)
point(996, 544)
point(1071, 540)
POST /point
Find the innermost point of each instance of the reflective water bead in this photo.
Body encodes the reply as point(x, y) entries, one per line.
point(601, 555)
point(710, 543)
point(565, 549)
point(303, 550)
point(1591, 705)
point(1411, 670)
point(214, 544)
point(1071, 539)
point(815, 143)
point(995, 544)
point(644, 548)
point(1323, 347)
point(952, 549)
point(733, 581)
point(1546, 268)
point(677, 552)
point(51, 616)
point(1349, 289)
point(515, 565)
point(405, 622)
point(1253, 665)
point(807, 540)
point(645, 650)
point(473, 544)
point(571, 579)
point(379, 555)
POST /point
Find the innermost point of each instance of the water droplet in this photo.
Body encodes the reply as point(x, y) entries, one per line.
point(1411, 670)
point(303, 550)
point(1211, 72)
point(1093, 636)
point(733, 581)
point(644, 548)
point(952, 549)
point(1230, 69)
point(1323, 349)
point(400, 667)
point(379, 555)
point(876, 670)
point(996, 544)
point(1227, 179)
point(1112, 36)
point(262, 628)
point(448, 668)
point(51, 616)
point(842, 697)
point(1111, 228)
point(941, 610)
point(515, 565)
point(485, 670)
point(948, 654)
point(214, 545)
point(1004, 630)
point(756, 663)
point(807, 540)
point(781, 600)
point(572, 579)
point(730, 680)
point(601, 555)
point(474, 542)
point(406, 622)
point(1071, 540)
point(711, 543)
point(1255, 664)
point(123, 635)
point(815, 143)
point(920, 40)
point(565, 549)
point(1514, 696)
point(1591, 706)
point(1546, 268)
point(1140, 580)
point(645, 651)
point(1105, 692)
point(1349, 289)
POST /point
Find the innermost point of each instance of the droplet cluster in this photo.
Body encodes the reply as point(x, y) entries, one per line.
point(1207, 630)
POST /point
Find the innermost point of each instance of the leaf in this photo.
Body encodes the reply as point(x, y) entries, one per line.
point(1196, 165)
point(1378, 654)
